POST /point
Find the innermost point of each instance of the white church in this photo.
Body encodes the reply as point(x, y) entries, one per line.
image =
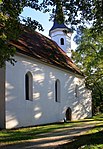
point(44, 86)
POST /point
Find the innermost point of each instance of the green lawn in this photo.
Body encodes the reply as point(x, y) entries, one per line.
point(92, 140)
point(22, 134)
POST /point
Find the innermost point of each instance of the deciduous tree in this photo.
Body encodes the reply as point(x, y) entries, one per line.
point(89, 57)
point(10, 25)
point(78, 12)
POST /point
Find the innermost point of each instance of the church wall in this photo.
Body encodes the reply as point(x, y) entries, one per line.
point(2, 97)
point(42, 108)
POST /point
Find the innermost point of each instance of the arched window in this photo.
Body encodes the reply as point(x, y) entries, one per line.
point(57, 90)
point(62, 41)
point(28, 86)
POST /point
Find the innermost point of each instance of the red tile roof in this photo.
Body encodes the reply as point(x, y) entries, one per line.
point(36, 45)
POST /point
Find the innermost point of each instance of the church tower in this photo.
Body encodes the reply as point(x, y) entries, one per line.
point(60, 33)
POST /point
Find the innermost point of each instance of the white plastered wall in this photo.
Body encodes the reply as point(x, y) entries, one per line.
point(43, 108)
point(2, 97)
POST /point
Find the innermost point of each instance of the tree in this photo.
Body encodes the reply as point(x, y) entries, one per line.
point(82, 12)
point(78, 12)
point(89, 57)
point(10, 26)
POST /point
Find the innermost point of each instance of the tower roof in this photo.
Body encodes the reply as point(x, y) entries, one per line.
point(59, 19)
point(57, 25)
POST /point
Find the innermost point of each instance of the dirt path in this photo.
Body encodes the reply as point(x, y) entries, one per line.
point(53, 139)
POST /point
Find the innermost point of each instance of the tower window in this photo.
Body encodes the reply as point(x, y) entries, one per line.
point(57, 90)
point(28, 86)
point(62, 41)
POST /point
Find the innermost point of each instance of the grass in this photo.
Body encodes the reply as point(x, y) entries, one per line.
point(22, 134)
point(98, 117)
point(93, 139)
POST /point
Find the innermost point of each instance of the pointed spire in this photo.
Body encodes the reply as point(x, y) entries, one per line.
point(59, 15)
point(59, 19)
point(59, 32)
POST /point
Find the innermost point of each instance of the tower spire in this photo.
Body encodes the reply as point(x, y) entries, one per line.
point(59, 15)
point(59, 18)
point(59, 32)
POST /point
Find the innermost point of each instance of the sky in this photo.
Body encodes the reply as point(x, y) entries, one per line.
point(43, 18)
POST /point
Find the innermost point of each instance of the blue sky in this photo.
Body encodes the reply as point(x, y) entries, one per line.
point(43, 18)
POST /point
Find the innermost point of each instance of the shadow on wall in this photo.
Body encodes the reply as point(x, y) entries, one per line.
point(68, 88)
point(82, 107)
point(42, 108)
point(21, 112)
